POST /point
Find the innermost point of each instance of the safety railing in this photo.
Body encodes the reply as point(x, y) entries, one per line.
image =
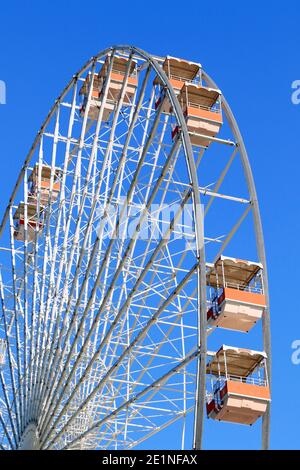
point(220, 381)
point(243, 287)
point(172, 76)
point(248, 380)
point(179, 79)
point(123, 72)
point(215, 108)
point(256, 289)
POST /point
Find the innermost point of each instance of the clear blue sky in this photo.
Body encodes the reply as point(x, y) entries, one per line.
point(253, 54)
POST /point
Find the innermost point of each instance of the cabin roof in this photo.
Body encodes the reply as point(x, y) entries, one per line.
point(240, 362)
point(236, 271)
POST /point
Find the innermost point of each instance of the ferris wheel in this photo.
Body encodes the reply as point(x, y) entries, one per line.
point(131, 249)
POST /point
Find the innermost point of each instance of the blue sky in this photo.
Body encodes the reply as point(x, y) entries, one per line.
point(252, 51)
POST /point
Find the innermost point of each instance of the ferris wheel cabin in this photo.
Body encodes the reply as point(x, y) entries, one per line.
point(239, 388)
point(41, 193)
point(117, 77)
point(40, 180)
point(33, 221)
point(178, 72)
point(236, 294)
point(201, 107)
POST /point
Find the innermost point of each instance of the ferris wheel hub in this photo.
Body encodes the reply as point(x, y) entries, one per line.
point(30, 438)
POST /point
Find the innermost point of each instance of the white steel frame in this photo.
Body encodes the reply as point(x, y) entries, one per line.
point(106, 336)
